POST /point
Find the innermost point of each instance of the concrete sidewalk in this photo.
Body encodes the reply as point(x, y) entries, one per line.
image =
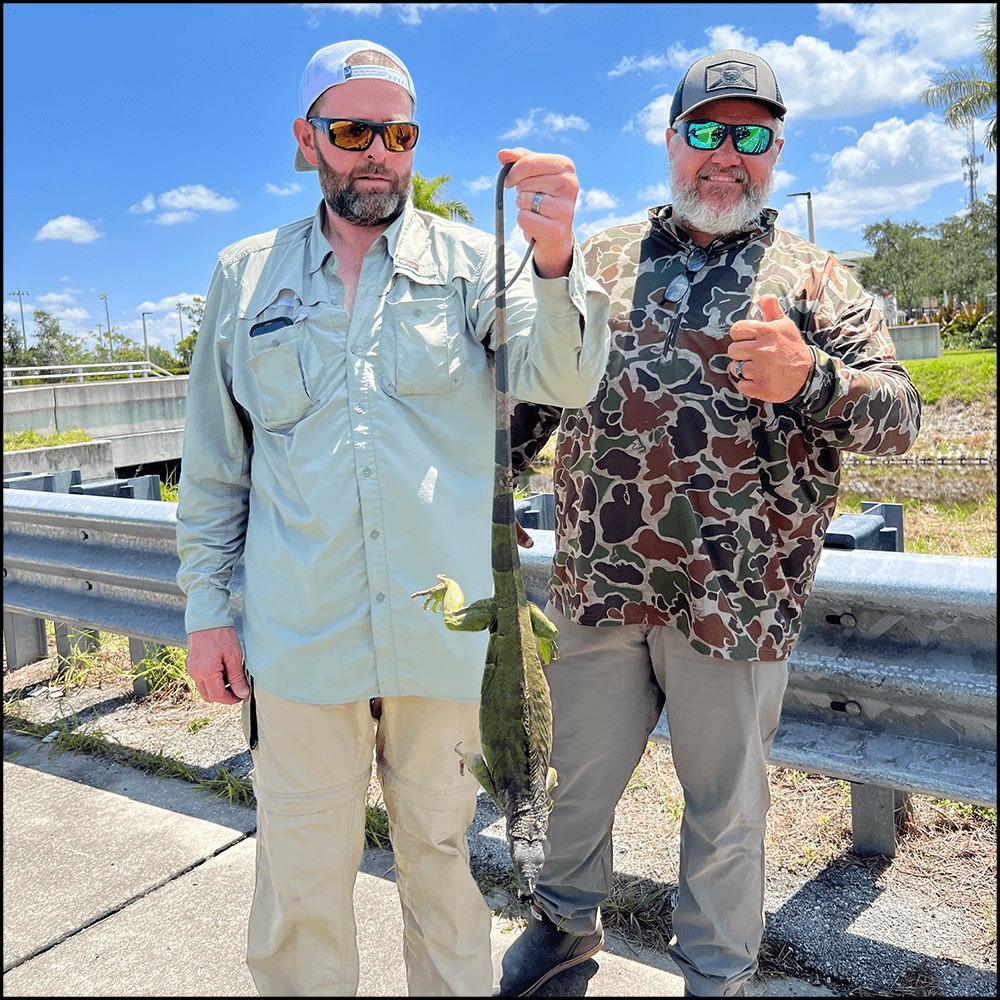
point(121, 884)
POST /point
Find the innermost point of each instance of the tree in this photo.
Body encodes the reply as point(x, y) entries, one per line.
point(968, 251)
point(54, 346)
point(14, 354)
point(195, 313)
point(425, 198)
point(969, 94)
point(904, 261)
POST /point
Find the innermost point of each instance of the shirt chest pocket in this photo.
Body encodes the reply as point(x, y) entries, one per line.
point(423, 330)
point(275, 387)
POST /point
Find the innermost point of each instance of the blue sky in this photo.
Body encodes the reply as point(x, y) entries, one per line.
point(141, 139)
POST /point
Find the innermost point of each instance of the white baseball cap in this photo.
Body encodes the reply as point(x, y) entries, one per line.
point(328, 68)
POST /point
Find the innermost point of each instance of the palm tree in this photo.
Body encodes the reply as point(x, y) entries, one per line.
point(425, 198)
point(967, 94)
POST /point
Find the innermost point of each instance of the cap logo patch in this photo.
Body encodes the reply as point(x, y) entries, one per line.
point(731, 76)
point(376, 73)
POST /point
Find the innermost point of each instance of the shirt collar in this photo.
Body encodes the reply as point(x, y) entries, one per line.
point(405, 242)
point(662, 221)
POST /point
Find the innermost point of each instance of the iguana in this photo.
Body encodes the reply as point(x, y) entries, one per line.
point(515, 714)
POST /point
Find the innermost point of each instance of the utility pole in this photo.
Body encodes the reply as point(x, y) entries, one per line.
point(145, 339)
point(111, 346)
point(809, 210)
point(180, 322)
point(20, 302)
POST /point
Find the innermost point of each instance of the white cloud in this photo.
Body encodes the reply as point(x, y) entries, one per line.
point(588, 229)
point(69, 228)
point(597, 199)
point(633, 64)
point(196, 197)
point(480, 184)
point(175, 218)
point(51, 301)
point(892, 168)
point(282, 192)
point(656, 194)
point(409, 13)
point(184, 203)
point(148, 204)
point(549, 121)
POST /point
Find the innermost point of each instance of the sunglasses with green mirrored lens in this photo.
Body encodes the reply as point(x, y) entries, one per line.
point(751, 140)
point(356, 134)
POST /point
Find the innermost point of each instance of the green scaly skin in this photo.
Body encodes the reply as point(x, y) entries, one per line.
point(515, 715)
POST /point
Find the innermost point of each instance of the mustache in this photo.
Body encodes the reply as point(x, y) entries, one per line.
point(737, 173)
point(372, 170)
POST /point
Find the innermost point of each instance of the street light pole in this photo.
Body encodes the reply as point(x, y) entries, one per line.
point(180, 323)
point(20, 302)
point(809, 209)
point(145, 339)
point(111, 346)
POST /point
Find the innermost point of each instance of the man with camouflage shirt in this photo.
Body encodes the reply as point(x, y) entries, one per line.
point(692, 497)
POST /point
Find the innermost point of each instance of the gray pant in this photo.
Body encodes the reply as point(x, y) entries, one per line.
point(609, 686)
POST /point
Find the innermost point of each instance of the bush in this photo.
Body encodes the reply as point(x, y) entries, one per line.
point(967, 328)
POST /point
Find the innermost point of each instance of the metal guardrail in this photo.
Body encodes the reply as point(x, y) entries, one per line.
point(96, 371)
point(892, 685)
point(148, 487)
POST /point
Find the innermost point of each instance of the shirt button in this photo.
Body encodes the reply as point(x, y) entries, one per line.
point(360, 409)
point(366, 472)
point(380, 598)
point(374, 534)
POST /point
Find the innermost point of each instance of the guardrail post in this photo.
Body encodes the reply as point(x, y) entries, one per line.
point(70, 642)
point(138, 651)
point(877, 815)
point(25, 640)
point(878, 812)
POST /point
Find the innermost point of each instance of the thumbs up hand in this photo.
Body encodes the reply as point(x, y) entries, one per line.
point(771, 361)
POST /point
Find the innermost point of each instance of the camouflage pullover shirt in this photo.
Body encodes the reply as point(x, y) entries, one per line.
point(679, 500)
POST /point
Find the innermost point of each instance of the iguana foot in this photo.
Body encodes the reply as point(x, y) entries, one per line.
point(435, 595)
point(476, 763)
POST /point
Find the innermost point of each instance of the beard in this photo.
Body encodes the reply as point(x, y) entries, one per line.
point(376, 208)
point(690, 208)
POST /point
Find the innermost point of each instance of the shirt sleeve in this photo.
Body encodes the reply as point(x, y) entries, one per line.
point(214, 487)
point(557, 335)
point(858, 394)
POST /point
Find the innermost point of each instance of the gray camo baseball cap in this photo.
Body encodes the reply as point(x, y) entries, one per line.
point(729, 73)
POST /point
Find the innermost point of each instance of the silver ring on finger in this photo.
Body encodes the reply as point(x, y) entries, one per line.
point(536, 203)
point(739, 370)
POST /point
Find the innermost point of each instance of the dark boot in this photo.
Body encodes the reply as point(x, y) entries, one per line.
point(541, 952)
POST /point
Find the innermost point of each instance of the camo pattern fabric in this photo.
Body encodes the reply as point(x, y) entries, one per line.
point(679, 500)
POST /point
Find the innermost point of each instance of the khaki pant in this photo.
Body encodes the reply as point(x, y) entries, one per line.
point(609, 686)
point(312, 768)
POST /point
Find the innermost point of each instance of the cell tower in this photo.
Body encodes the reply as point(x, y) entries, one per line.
point(971, 163)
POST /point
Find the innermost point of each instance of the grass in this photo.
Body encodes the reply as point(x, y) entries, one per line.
point(26, 440)
point(960, 376)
